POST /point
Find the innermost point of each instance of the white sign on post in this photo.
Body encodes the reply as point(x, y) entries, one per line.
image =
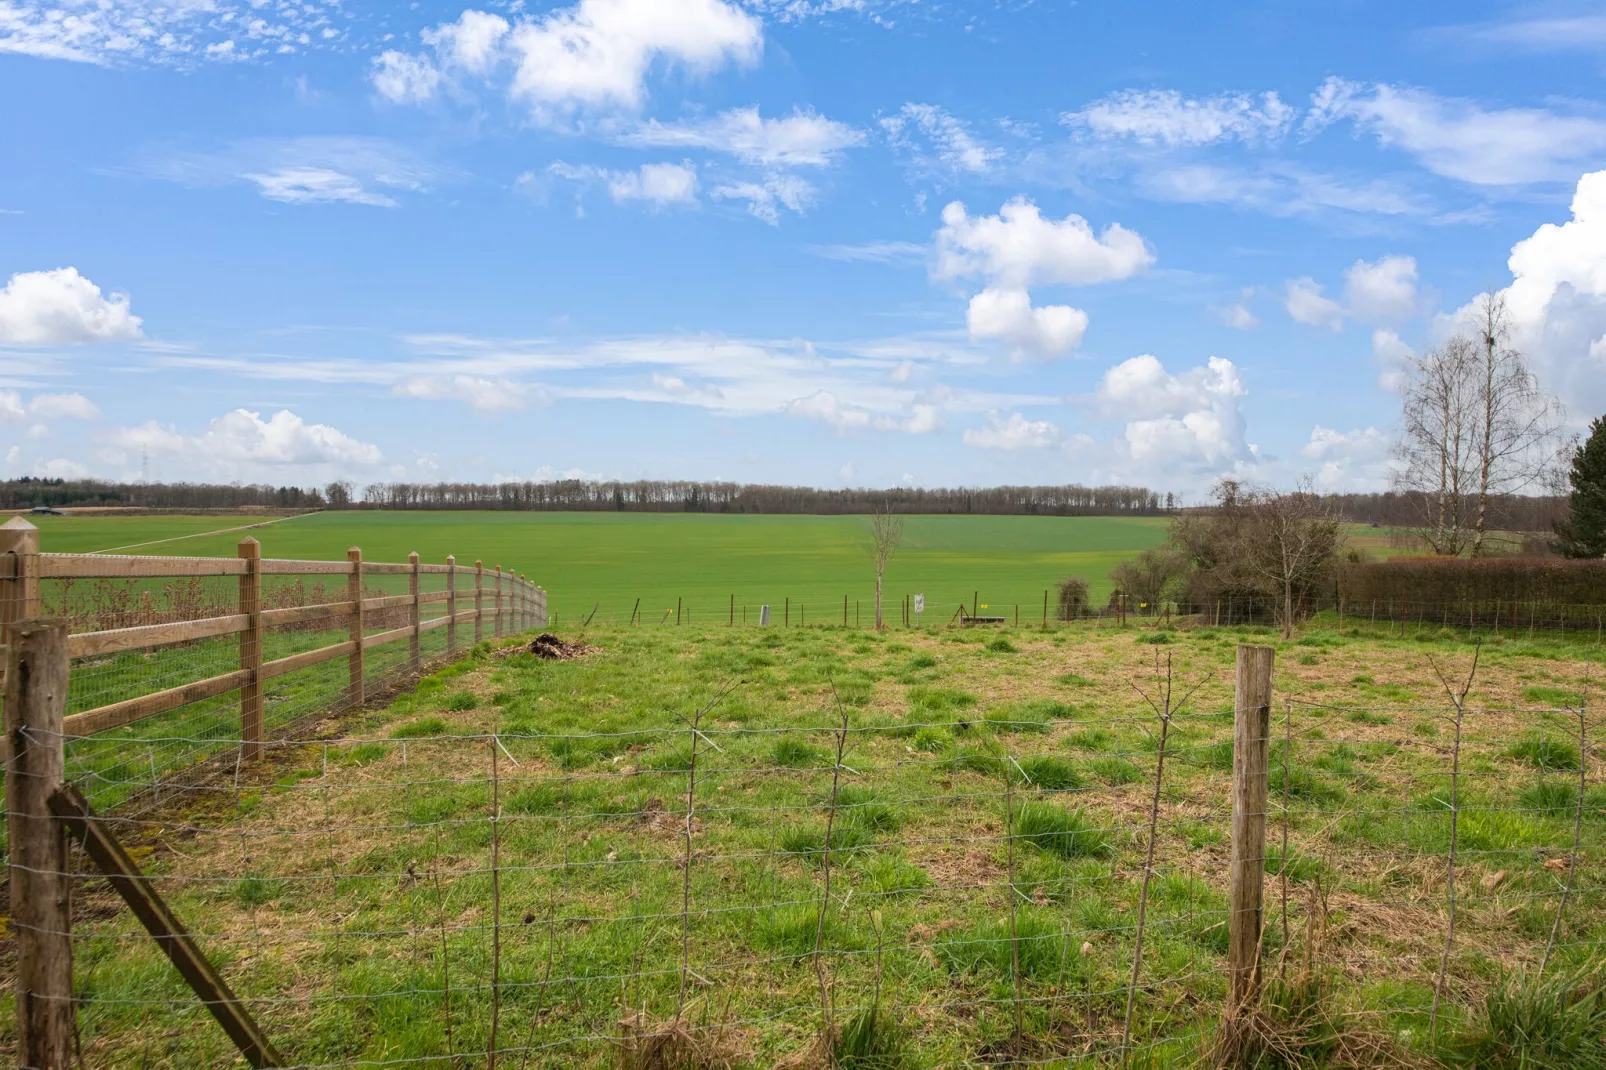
point(763, 615)
point(920, 607)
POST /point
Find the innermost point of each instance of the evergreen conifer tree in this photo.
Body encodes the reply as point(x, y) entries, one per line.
point(1583, 533)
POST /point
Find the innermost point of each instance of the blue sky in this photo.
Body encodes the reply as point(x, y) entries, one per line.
point(833, 242)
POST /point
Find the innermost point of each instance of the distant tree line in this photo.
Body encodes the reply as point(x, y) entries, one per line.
point(1404, 509)
point(28, 492)
point(656, 496)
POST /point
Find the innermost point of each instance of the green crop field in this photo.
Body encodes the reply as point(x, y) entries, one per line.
point(611, 559)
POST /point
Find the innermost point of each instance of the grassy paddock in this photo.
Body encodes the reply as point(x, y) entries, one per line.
point(985, 851)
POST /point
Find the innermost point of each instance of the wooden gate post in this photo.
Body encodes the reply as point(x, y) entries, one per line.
point(251, 650)
point(479, 601)
point(356, 662)
point(1251, 759)
point(19, 588)
point(41, 912)
point(413, 659)
point(451, 604)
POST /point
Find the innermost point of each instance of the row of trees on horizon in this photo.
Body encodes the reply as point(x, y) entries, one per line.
point(1512, 512)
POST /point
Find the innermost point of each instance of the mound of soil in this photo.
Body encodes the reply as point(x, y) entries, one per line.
point(546, 645)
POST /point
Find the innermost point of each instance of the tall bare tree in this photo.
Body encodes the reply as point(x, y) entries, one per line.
point(1476, 429)
point(1517, 422)
point(1291, 539)
point(886, 532)
point(1437, 451)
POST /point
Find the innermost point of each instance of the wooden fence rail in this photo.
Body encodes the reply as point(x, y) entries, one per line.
point(514, 604)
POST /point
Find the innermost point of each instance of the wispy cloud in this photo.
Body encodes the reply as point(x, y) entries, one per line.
point(306, 170)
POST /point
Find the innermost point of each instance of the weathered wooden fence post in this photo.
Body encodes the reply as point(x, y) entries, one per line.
point(496, 624)
point(356, 662)
point(540, 607)
point(415, 618)
point(251, 650)
point(41, 912)
point(451, 603)
point(19, 586)
point(1251, 759)
point(479, 601)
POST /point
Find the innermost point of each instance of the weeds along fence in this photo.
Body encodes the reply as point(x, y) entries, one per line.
point(214, 656)
point(1033, 885)
point(1509, 616)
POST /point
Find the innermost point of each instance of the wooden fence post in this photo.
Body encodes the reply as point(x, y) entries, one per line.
point(19, 593)
point(496, 621)
point(451, 603)
point(251, 650)
point(41, 912)
point(356, 662)
point(1251, 759)
point(540, 607)
point(413, 659)
point(479, 601)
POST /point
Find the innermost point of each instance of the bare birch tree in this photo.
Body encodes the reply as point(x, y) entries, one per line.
point(886, 532)
point(1475, 426)
point(1517, 422)
point(1437, 450)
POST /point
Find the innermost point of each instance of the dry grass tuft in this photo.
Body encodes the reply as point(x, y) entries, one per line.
point(675, 1044)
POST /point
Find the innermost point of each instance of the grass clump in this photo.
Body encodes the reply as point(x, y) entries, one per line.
point(459, 701)
point(1067, 833)
point(796, 754)
point(1546, 753)
point(1534, 1023)
point(891, 876)
point(1115, 771)
point(1545, 695)
point(1002, 645)
point(365, 754)
point(1045, 953)
point(1049, 772)
point(871, 1040)
point(933, 740)
point(1549, 796)
point(1073, 679)
point(939, 700)
point(863, 808)
point(1026, 716)
point(1091, 739)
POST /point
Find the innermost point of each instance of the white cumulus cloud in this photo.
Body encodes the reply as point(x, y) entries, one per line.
point(1008, 314)
point(241, 442)
point(62, 307)
point(1381, 291)
point(1018, 248)
point(1014, 433)
point(55, 406)
point(1191, 419)
point(1304, 301)
point(592, 56)
point(1557, 300)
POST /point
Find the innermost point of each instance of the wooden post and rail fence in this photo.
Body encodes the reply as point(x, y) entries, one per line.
point(515, 605)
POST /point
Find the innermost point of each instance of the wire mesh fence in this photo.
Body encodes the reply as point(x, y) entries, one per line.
point(1029, 885)
point(1512, 617)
